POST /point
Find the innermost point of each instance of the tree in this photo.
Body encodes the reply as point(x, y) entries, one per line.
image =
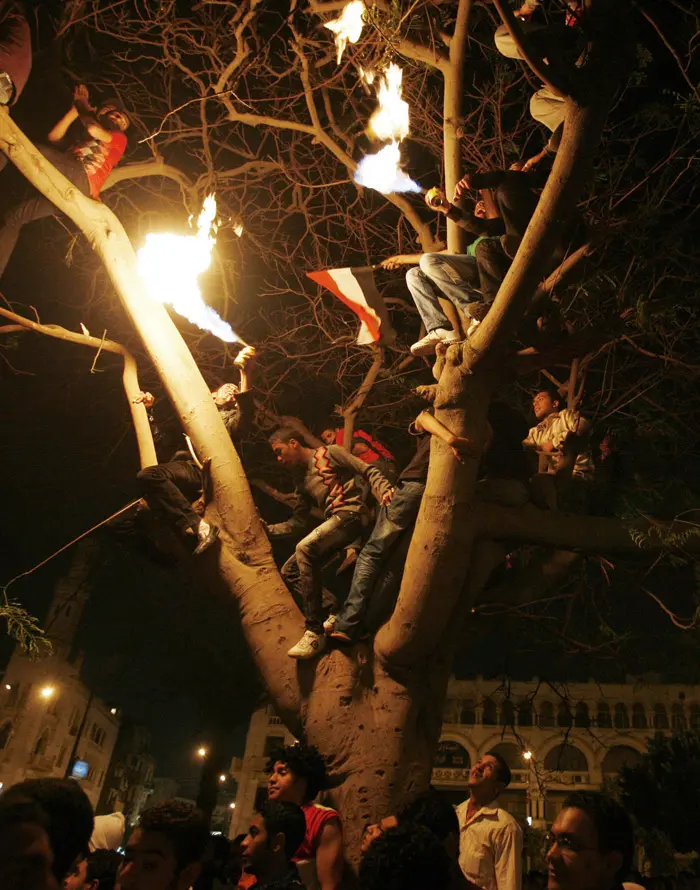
point(386, 705)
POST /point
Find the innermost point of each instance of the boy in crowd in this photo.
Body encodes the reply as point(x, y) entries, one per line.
point(276, 832)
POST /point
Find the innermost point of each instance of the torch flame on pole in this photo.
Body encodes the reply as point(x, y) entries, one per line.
point(390, 120)
point(171, 264)
point(348, 27)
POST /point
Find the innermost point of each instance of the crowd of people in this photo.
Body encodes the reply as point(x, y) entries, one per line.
point(47, 841)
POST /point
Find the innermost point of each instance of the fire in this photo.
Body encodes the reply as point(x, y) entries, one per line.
point(381, 171)
point(390, 120)
point(348, 27)
point(171, 264)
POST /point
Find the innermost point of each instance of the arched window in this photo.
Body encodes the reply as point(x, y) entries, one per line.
point(564, 714)
point(507, 713)
point(511, 753)
point(13, 695)
point(678, 720)
point(660, 717)
point(566, 758)
point(452, 755)
point(582, 719)
point(639, 717)
point(622, 720)
point(525, 713)
point(546, 714)
point(617, 757)
point(467, 714)
point(5, 733)
point(695, 716)
point(490, 715)
point(450, 712)
point(603, 714)
point(42, 742)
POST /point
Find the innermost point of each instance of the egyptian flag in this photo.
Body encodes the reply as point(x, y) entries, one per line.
point(356, 288)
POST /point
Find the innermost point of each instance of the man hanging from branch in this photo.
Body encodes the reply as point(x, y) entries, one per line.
point(330, 478)
point(87, 162)
point(170, 488)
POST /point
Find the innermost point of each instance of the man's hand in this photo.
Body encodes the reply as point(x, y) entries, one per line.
point(461, 448)
point(146, 399)
point(534, 161)
point(547, 447)
point(437, 200)
point(524, 12)
point(462, 186)
point(246, 358)
point(386, 498)
point(392, 263)
point(81, 96)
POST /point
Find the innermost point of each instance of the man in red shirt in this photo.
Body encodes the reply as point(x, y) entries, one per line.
point(87, 162)
point(297, 774)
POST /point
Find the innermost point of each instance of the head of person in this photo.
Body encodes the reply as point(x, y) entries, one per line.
point(288, 447)
point(226, 395)
point(375, 830)
point(360, 448)
point(488, 777)
point(69, 819)
point(591, 844)
point(296, 774)
point(432, 810)
point(97, 871)
point(112, 117)
point(166, 849)
point(328, 435)
point(26, 857)
point(545, 402)
point(480, 209)
point(407, 857)
point(274, 836)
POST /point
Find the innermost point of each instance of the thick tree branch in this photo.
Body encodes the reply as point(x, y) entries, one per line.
point(351, 409)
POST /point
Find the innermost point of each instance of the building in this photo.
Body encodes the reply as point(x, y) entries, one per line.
point(51, 724)
point(554, 737)
point(129, 781)
point(164, 789)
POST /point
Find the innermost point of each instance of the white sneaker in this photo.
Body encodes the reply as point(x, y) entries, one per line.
point(427, 345)
point(309, 646)
point(329, 624)
point(473, 325)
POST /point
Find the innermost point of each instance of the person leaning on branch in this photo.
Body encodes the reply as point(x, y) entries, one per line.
point(87, 163)
point(170, 488)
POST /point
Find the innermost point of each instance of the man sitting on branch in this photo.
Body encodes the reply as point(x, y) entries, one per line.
point(87, 163)
point(170, 488)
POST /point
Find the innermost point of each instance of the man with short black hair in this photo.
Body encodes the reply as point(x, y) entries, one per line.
point(97, 871)
point(491, 841)
point(407, 857)
point(591, 844)
point(25, 848)
point(276, 832)
point(297, 774)
point(165, 850)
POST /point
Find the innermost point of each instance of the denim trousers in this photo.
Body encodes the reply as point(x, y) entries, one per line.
point(452, 276)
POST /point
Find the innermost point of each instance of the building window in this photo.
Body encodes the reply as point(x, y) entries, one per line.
point(507, 713)
point(13, 695)
point(566, 758)
point(582, 719)
point(490, 715)
point(678, 720)
point(467, 714)
point(272, 742)
point(622, 720)
point(59, 759)
point(5, 733)
point(525, 713)
point(564, 714)
point(695, 716)
point(43, 741)
point(604, 714)
point(660, 717)
point(639, 717)
point(546, 714)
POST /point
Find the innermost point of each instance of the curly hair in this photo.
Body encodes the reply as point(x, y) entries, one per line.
point(431, 810)
point(305, 762)
point(409, 857)
point(612, 824)
point(183, 825)
point(102, 866)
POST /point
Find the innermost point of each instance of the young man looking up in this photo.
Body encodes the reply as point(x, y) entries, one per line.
point(165, 850)
point(491, 841)
point(276, 832)
point(328, 477)
point(87, 163)
point(591, 844)
point(170, 488)
point(558, 430)
point(297, 774)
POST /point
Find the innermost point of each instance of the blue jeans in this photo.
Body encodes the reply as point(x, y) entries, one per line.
point(450, 275)
point(392, 522)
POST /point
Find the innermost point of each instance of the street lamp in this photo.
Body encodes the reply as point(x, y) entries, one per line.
point(222, 777)
point(202, 752)
point(47, 692)
point(527, 755)
point(232, 805)
point(8, 686)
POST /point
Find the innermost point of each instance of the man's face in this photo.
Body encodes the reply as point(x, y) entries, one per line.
point(287, 453)
point(225, 396)
point(543, 405)
point(26, 858)
point(150, 864)
point(484, 776)
point(328, 436)
point(377, 829)
point(256, 847)
point(284, 785)
point(480, 210)
point(76, 879)
point(574, 860)
point(114, 119)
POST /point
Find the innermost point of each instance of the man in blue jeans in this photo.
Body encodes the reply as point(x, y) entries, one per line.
point(393, 521)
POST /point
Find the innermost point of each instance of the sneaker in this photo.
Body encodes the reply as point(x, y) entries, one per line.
point(206, 539)
point(329, 624)
point(341, 637)
point(473, 325)
point(427, 345)
point(7, 89)
point(309, 646)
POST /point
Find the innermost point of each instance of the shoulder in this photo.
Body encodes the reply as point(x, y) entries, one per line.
point(317, 816)
point(507, 824)
point(119, 140)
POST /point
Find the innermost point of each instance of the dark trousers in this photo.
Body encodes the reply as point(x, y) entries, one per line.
point(169, 490)
point(302, 572)
point(38, 206)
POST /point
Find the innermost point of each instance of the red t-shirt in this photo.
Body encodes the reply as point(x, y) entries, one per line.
point(316, 817)
point(98, 158)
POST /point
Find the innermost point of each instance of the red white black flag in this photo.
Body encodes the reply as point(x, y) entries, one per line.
point(356, 288)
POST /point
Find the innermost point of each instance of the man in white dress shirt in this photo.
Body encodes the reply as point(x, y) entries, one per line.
point(490, 840)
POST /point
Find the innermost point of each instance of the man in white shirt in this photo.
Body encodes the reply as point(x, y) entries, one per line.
point(556, 428)
point(490, 840)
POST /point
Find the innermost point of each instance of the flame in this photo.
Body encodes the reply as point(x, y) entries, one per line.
point(381, 171)
point(171, 264)
point(390, 120)
point(366, 76)
point(348, 27)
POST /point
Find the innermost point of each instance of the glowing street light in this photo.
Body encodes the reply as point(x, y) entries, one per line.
point(232, 806)
point(202, 752)
point(47, 692)
point(527, 755)
point(222, 777)
point(8, 686)
point(113, 711)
